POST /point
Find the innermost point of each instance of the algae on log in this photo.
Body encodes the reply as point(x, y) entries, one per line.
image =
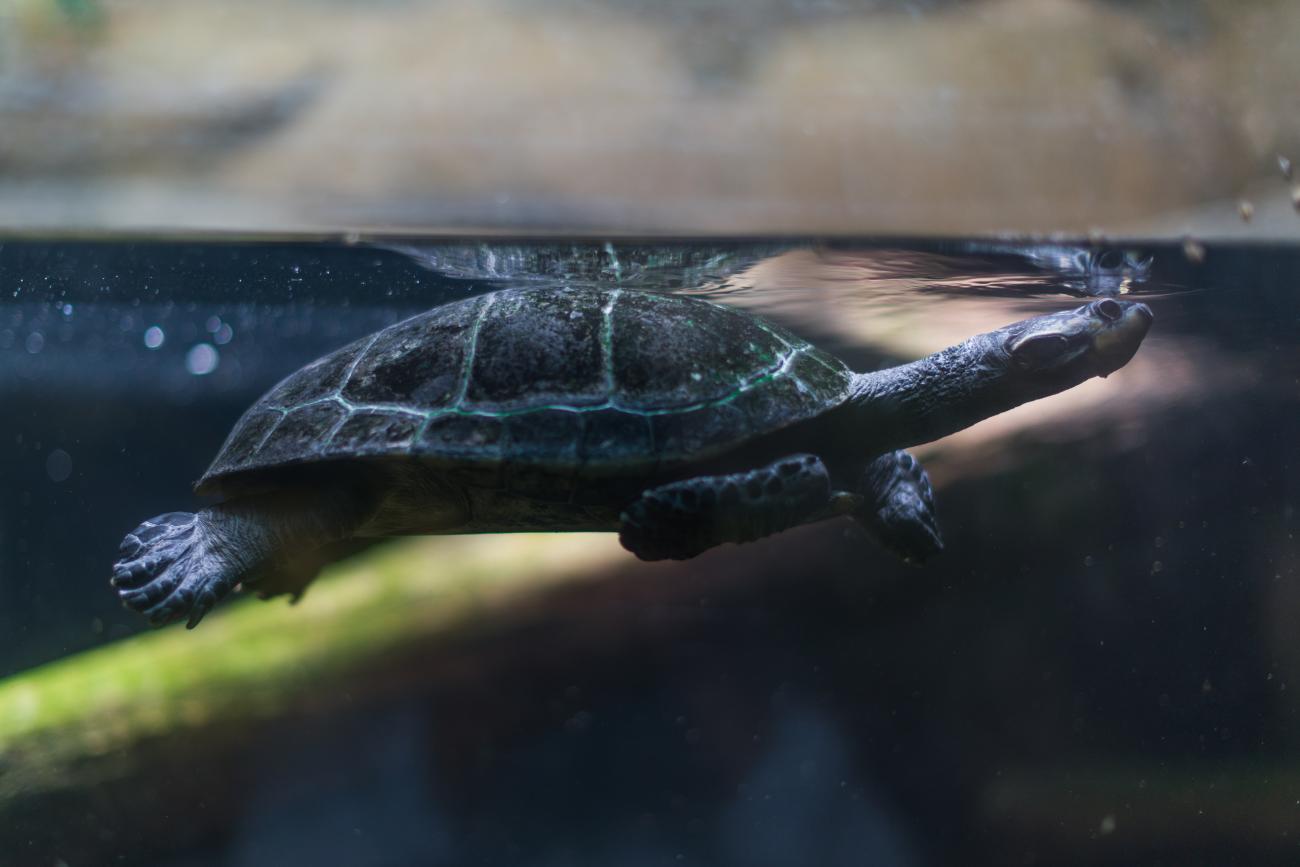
point(173, 702)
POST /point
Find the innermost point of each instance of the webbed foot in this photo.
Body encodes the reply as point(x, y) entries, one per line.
point(170, 569)
point(899, 511)
point(679, 520)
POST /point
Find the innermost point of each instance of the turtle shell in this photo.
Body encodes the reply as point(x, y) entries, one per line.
point(576, 379)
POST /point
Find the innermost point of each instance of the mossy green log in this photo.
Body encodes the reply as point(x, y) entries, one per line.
point(82, 720)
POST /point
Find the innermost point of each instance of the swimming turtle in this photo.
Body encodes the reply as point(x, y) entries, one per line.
point(679, 423)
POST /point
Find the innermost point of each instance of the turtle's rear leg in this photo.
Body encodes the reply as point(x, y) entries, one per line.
point(682, 519)
point(172, 566)
point(181, 564)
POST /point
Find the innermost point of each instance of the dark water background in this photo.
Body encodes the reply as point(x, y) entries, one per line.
point(1106, 652)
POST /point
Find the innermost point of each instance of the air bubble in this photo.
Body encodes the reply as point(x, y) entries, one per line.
point(35, 342)
point(154, 337)
point(58, 466)
point(202, 359)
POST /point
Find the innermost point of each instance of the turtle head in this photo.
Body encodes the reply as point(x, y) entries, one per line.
point(1060, 350)
point(993, 372)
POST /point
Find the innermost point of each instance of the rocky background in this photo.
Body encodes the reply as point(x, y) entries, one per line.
point(677, 116)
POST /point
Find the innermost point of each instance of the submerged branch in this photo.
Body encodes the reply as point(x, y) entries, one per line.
point(91, 718)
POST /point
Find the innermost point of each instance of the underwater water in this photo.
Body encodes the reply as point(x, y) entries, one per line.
point(1101, 668)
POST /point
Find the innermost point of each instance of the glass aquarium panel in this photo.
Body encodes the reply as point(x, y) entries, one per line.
point(1097, 669)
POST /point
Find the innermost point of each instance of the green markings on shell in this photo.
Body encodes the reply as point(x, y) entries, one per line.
point(365, 432)
point(299, 432)
point(537, 349)
point(321, 377)
point(661, 362)
point(405, 373)
point(543, 376)
point(457, 435)
point(467, 366)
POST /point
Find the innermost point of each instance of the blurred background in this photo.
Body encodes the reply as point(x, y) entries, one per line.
point(666, 116)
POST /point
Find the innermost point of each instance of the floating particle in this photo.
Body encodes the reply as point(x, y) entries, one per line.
point(1194, 250)
point(202, 359)
point(35, 342)
point(58, 465)
point(1107, 825)
point(1284, 165)
point(1246, 210)
point(154, 337)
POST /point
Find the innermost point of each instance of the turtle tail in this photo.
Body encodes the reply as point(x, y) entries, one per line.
point(166, 570)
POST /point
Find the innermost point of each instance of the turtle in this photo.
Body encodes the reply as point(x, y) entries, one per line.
point(679, 423)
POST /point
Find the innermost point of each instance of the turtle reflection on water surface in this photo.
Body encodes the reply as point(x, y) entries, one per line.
point(678, 423)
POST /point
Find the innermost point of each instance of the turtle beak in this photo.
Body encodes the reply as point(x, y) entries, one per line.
point(1121, 326)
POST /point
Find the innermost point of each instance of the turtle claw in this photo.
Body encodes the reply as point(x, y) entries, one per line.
point(202, 605)
point(168, 571)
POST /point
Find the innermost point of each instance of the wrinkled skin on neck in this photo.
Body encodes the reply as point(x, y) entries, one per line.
point(993, 372)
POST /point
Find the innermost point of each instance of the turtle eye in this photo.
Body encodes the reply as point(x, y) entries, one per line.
point(1039, 350)
point(1109, 309)
point(1110, 260)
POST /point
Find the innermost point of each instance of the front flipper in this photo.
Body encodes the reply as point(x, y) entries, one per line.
point(898, 509)
point(682, 519)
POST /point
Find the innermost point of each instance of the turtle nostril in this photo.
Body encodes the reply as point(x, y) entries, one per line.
point(1109, 309)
